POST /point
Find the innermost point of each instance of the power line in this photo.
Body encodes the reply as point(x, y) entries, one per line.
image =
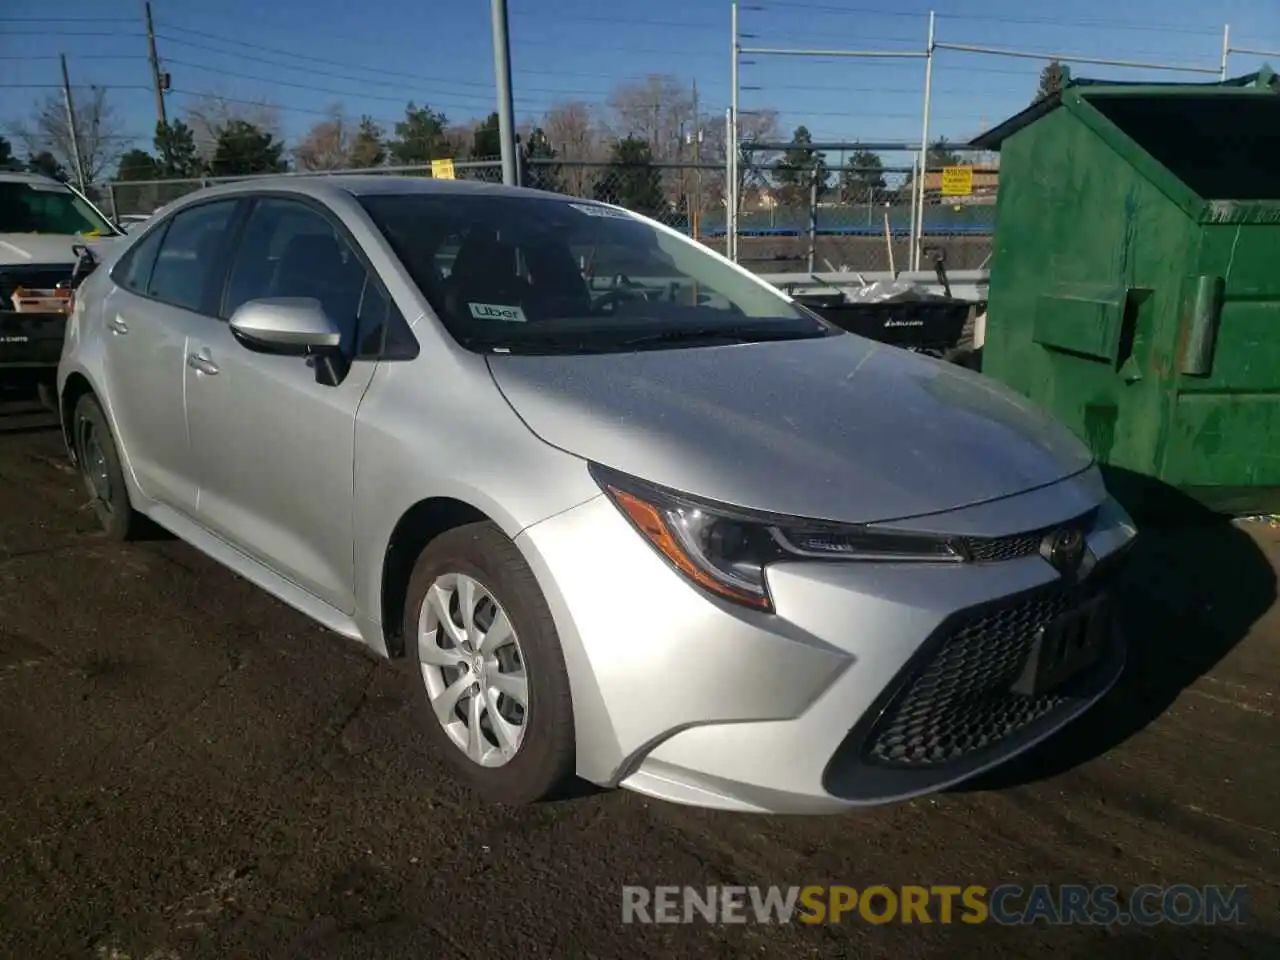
point(306, 86)
point(69, 33)
point(239, 101)
point(395, 85)
point(382, 72)
point(76, 86)
point(622, 21)
point(445, 100)
point(987, 18)
point(847, 11)
point(1105, 24)
point(66, 20)
point(299, 56)
point(547, 42)
point(78, 56)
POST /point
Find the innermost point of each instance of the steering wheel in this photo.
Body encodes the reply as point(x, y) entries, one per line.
point(610, 301)
point(622, 293)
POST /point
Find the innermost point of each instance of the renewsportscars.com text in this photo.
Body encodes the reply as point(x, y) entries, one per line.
point(1066, 904)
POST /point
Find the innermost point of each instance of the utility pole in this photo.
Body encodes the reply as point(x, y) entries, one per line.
point(918, 240)
point(731, 145)
point(157, 78)
point(71, 124)
point(697, 161)
point(506, 108)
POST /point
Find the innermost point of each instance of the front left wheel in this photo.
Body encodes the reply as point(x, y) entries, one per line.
point(494, 689)
point(101, 470)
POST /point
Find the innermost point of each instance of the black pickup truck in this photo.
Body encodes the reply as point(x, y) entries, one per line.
point(48, 236)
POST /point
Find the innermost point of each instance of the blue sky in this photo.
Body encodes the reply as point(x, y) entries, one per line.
point(374, 56)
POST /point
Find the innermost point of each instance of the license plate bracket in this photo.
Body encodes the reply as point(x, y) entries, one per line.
point(1064, 647)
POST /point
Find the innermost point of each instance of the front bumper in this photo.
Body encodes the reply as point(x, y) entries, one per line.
point(846, 695)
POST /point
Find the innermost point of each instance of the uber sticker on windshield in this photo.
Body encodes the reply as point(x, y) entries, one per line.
point(497, 311)
point(595, 210)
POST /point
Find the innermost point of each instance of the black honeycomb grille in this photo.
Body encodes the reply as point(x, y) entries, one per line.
point(960, 701)
point(998, 549)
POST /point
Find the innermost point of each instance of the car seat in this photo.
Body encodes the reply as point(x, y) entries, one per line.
point(558, 287)
point(484, 271)
point(313, 265)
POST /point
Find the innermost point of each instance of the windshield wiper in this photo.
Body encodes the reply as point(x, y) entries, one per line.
point(732, 334)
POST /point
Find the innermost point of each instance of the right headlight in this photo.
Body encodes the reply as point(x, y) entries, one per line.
point(725, 549)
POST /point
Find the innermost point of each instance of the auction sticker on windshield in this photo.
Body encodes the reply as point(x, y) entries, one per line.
point(595, 210)
point(497, 311)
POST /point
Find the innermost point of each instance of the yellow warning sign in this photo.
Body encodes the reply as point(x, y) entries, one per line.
point(957, 181)
point(442, 169)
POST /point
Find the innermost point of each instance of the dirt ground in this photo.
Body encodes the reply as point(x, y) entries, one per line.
point(190, 769)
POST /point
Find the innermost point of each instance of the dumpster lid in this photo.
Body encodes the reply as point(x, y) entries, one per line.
point(1262, 80)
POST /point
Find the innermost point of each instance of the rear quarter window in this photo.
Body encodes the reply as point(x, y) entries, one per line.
point(133, 271)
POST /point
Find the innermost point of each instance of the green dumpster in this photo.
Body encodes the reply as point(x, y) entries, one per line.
point(1135, 281)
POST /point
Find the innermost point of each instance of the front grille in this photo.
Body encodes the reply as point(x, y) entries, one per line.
point(42, 277)
point(998, 549)
point(958, 702)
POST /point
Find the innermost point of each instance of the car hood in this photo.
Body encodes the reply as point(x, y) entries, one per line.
point(23, 249)
point(839, 428)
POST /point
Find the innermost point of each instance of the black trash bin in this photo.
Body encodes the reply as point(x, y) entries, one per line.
point(924, 323)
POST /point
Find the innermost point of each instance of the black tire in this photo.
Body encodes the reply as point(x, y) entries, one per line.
point(100, 468)
point(545, 761)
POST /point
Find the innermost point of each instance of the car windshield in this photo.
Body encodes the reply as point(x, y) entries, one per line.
point(35, 207)
point(533, 274)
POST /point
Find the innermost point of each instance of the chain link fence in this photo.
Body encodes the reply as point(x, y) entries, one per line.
point(780, 228)
point(144, 197)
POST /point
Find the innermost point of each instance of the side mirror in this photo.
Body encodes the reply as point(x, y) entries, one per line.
point(294, 326)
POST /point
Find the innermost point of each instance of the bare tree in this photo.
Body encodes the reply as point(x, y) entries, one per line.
point(459, 136)
point(328, 144)
point(657, 110)
point(761, 126)
point(574, 133)
point(208, 116)
point(97, 131)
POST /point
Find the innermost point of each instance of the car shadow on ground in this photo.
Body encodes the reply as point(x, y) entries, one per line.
point(1194, 585)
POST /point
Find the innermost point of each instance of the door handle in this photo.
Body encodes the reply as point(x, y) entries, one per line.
point(117, 325)
point(201, 364)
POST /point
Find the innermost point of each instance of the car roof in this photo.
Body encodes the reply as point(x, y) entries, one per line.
point(327, 186)
point(24, 176)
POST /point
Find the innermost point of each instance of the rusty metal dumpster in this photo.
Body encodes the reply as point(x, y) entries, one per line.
point(1135, 282)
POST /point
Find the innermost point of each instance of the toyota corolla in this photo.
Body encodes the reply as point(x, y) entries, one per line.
point(630, 512)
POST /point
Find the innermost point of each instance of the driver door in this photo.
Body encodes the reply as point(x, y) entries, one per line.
point(273, 449)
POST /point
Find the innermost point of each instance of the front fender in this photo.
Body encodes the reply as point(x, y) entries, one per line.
point(471, 448)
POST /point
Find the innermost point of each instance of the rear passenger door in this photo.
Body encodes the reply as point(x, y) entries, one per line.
point(274, 450)
point(162, 298)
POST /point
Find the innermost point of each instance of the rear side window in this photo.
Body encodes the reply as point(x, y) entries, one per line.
point(189, 255)
point(133, 272)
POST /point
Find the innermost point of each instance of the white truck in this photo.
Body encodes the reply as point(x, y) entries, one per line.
point(51, 236)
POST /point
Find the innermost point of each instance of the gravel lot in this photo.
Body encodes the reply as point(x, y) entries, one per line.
point(190, 769)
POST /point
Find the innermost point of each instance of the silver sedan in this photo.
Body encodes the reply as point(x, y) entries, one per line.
point(636, 516)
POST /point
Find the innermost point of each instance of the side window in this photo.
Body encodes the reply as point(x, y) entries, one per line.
point(189, 255)
point(133, 272)
point(288, 249)
point(384, 333)
point(372, 324)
